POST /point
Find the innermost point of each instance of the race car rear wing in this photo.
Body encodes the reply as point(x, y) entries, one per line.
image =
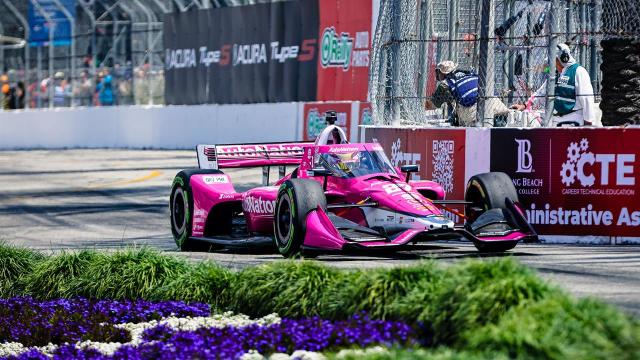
point(249, 155)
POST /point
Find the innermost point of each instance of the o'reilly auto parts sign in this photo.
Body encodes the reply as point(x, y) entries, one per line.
point(303, 50)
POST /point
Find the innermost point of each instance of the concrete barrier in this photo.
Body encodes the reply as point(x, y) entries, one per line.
point(159, 127)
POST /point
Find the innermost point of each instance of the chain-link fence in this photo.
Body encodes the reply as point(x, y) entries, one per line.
point(510, 45)
point(620, 62)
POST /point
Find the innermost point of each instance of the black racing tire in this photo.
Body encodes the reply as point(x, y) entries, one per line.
point(497, 247)
point(488, 191)
point(296, 198)
point(181, 209)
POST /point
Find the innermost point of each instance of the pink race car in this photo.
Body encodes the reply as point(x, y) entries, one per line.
point(339, 196)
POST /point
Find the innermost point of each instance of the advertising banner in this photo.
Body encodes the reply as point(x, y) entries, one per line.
point(345, 50)
point(439, 154)
point(303, 50)
point(365, 114)
point(314, 121)
point(39, 25)
point(244, 54)
point(573, 181)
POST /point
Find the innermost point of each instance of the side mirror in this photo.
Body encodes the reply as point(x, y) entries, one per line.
point(408, 169)
point(321, 172)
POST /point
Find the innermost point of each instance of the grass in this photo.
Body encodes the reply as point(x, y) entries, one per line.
point(472, 309)
point(14, 263)
point(204, 282)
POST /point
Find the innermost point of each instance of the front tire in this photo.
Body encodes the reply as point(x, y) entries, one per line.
point(296, 198)
point(490, 247)
point(485, 192)
point(488, 191)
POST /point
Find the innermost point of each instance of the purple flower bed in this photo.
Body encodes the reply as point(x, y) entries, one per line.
point(287, 336)
point(36, 323)
point(313, 334)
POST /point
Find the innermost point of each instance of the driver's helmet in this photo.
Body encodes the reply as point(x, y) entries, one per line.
point(350, 161)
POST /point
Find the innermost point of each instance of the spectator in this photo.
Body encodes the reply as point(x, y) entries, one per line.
point(105, 91)
point(61, 91)
point(141, 89)
point(4, 89)
point(574, 100)
point(16, 96)
point(83, 89)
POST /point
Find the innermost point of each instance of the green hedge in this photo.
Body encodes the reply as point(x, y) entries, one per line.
point(473, 307)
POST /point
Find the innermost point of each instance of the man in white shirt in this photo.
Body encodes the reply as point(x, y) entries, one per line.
point(574, 101)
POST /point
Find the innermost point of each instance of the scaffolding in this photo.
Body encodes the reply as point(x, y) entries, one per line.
point(116, 39)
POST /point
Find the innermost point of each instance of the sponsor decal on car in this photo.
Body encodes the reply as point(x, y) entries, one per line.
point(215, 179)
point(255, 205)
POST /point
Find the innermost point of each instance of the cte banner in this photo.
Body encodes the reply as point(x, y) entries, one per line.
point(573, 181)
point(303, 50)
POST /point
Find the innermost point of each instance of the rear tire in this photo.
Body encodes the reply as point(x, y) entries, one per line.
point(485, 192)
point(296, 198)
point(181, 209)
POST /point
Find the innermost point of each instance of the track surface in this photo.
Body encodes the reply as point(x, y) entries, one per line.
point(105, 199)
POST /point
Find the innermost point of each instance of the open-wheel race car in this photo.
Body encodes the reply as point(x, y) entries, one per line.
point(339, 195)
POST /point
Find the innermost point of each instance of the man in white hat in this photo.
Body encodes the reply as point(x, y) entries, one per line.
point(448, 75)
point(574, 101)
point(459, 90)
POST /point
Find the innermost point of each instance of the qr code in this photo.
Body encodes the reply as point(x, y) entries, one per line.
point(443, 164)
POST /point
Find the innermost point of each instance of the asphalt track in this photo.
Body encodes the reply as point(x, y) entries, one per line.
point(110, 199)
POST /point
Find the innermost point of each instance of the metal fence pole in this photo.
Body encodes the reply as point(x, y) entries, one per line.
point(2, 49)
point(595, 28)
point(510, 54)
point(395, 62)
point(569, 19)
point(453, 31)
point(553, 43)
point(51, 47)
point(27, 58)
point(92, 20)
point(38, 73)
point(423, 47)
point(72, 26)
point(150, 19)
point(486, 60)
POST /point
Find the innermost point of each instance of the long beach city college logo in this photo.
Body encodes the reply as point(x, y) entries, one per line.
point(443, 163)
point(525, 160)
point(580, 161)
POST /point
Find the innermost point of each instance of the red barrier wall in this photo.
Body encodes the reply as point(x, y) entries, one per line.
point(578, 185)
